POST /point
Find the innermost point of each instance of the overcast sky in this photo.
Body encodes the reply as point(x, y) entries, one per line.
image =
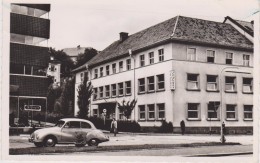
point(97, 23)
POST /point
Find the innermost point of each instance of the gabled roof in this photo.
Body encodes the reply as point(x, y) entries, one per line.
point(74, 52)
point(180, 28)
point(244, 25)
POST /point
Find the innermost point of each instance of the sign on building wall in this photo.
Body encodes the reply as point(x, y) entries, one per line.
point(172, 80)
point(32, 107)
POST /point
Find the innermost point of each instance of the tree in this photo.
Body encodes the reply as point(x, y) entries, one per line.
point(85, 91)
point(66, 63)
point(52, 95)
point(86, 56)
point(127, 108)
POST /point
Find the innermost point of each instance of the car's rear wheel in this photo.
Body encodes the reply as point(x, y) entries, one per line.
point(49, 141)
point(38, 144)
point(93, 142)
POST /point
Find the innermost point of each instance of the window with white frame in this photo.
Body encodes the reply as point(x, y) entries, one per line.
point(101, 71)
point(95, 73)
point(120, 89)
point(193, 111)
point(142, 112)
point(229, 58)
point(246, 59)
point(151, 111)
point(248, 112)
point(212, 83)
point(161, 55)
point(107, 87)
point(191, 54)
point(128, 87)
point(213, 109)
point(230, 84)
point(121, 114)
point(28, 70)
point(120, 66)
point(192, 81)
point(95, 91)
point(247, 85)
point(95, 113)
point(113, 90)
point(107, 70)
point(128, 64)
point(151, 57)
point(141, 85)
point(160, 82)
point(82, 76)
point(150, 82)
point(114, 68)
point(142, 60)
point(101, 92)
point(210, 56)
point(230, 112)
point(161, 111)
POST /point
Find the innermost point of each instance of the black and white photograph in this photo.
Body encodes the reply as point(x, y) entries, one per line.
point(130, 81)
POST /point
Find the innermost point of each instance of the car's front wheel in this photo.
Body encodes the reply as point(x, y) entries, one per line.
point(49, 141)
point(38, 144)
point(93, 142)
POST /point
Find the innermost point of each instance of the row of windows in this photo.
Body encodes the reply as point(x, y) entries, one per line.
point(193, 83)
point(104, 71)
point(211, 56)
point(27, 70)
point(152, 111)
point(113, 90)
point(193, 111)
point(153, 83)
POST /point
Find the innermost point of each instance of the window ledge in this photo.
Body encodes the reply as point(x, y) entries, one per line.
point(248, 119)
point(247, 92)
point(160, 90)
point(151, 120)
point(196, 90)
point(120, 95)
point(213, 119)
point(113, 96)
point(139, 93)
point(193, 119)
point(231, 119)
point(230, 91)
point(212, 90)
point(150, 91)
point(129, 94)
point(141, 120)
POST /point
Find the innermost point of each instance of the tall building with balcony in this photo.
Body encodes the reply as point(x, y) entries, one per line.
point(184, 68)
point(29, 59)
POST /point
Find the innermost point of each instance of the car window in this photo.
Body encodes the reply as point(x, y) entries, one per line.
point(74, 124)
point(85, 125)
point(60, 123)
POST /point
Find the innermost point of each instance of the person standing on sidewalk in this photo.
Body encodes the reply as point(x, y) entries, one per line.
point(114, 126)
point(182, 127)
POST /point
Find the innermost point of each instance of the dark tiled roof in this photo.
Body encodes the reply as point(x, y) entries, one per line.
point(29, 55)
point(244, 25)
point(30, 86)
point(187, 30)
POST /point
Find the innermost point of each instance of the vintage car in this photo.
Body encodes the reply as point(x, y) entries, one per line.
point(67, 131)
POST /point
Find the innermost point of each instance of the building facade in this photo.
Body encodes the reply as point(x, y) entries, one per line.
point(181, 69)
point(29, 58)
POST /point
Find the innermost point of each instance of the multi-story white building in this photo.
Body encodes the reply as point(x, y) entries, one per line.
point(184, 68)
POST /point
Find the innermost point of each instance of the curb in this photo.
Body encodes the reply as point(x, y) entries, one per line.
point(221, 154)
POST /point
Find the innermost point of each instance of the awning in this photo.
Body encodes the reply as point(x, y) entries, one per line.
point(14, 88)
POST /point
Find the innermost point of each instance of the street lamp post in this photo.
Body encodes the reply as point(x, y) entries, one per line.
point(222, 138)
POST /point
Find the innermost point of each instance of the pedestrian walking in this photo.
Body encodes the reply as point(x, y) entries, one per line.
point(182, 127)
point(114, 126)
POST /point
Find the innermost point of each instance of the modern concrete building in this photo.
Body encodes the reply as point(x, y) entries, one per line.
point(184, 68)
point(29, 58)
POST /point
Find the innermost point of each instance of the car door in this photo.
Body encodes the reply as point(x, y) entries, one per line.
point(85, 128)
point(70, 131)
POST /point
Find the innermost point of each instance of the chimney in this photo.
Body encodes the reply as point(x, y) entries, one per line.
point(123, 36)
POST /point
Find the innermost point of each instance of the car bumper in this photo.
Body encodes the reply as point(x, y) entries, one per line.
point(106, 139)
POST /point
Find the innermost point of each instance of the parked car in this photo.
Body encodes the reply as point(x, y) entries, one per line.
point(69, 131)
